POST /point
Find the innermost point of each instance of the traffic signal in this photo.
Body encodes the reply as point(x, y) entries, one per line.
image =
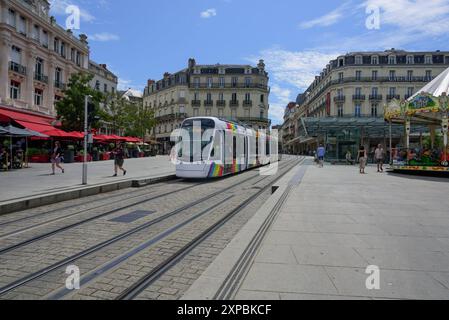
point(91, 114)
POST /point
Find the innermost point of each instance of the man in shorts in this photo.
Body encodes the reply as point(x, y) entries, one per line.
point(119, 160)
point(379, 156)
point(321, 153)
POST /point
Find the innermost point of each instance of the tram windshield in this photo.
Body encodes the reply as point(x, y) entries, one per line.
point(195, 136)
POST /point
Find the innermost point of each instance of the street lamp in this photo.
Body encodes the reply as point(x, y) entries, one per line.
point(86, 134)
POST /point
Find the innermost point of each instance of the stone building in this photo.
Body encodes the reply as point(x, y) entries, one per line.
point(37, 56)
point(235, 92)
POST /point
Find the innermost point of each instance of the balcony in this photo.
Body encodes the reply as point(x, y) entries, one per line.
point(171, 116)
point(18, 68)
point(59, 85)
point(228, 86)
point(258, 120)
point(208, 103)
point(234, 103)
point(196, 103)
point(340, 99)
point(247, 103)
point(40, 77)
point(221, 103)
point(393, 96)
point(375, 97)
point(359, 97)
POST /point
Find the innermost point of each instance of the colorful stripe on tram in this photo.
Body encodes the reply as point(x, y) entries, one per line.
point(232, 127)
point(215, 171)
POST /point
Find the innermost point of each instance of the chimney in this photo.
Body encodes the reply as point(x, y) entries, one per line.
point(192, 63)
point(83, 38)
point(104, 66)
point(150, 82)
point(261, 65)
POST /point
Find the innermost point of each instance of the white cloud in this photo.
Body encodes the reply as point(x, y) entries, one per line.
point(327, 19)
point(209, 13)
point(103, 37)
point(291, 72)
point(124, 85)
point(297, 68)
point(58, 7)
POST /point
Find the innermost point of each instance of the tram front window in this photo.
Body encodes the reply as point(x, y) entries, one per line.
point(197, 134)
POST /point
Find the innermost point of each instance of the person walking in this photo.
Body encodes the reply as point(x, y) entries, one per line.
point(119, 160)
point(321, 153)
point(362, 157)
point(56, 158)
point(379, 156)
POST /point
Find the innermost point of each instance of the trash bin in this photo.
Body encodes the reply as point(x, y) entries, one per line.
point(69, 156)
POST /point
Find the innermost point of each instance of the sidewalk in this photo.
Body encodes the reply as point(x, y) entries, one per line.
point(333, 225)
point(35, 181)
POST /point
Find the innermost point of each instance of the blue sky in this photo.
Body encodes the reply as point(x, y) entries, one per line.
point(142, 39)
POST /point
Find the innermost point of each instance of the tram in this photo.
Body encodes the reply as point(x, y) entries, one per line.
point(208, 147)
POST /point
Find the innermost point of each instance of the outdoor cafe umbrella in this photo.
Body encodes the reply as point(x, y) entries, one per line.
point(10, 131)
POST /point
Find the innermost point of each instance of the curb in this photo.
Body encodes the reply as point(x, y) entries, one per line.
point(42, 200)
point(214, 278)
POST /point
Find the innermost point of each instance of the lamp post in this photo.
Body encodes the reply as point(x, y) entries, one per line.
point(86, 134)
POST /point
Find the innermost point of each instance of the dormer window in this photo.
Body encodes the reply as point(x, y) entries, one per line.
point(374, 60)
point(341, 62)
point(358, 60)
point(410, 60)
point(391, 59)
point(428, 60)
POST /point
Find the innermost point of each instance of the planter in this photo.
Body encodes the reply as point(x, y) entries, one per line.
point(81, 158)
point(43, 158)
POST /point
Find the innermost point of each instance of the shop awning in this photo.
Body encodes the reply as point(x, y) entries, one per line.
point(41, 124)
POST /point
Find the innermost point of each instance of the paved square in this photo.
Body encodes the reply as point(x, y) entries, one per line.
point(336, 223)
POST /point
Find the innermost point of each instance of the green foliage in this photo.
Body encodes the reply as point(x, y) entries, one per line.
point(133, 117)
point(71, 108)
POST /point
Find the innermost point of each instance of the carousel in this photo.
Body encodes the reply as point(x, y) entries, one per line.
point(425, 120)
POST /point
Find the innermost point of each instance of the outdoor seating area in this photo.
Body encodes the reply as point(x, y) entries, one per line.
point(30, 138)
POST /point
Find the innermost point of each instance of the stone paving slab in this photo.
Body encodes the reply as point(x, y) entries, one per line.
point(35, 186)
point(38, 179)
point(335, 224)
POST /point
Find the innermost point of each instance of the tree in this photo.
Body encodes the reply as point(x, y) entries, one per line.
point(71, 108)
point(139, 119)
point(116, 109)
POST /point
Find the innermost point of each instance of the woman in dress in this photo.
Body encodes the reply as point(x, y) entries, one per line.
point(56, 158)
point(362, 158)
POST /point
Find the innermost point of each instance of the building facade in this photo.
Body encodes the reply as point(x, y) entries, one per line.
point(103, 79)
point(357, 86)
point(37, 56)
point(235, 92)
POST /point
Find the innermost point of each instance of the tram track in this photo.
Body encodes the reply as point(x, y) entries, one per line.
point(139, 286)
point(47, 222)
point(41, 273)
point(104, 198)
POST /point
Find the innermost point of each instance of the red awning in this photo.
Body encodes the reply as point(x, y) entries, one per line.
point(133, 139)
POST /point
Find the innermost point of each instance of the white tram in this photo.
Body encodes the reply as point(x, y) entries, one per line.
point(208, 147)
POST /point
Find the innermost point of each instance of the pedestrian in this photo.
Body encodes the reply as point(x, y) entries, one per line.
point(362, 158)
point(349, 160)
point(379, 156)
point(119, 160)
point(56, 158)
point(321, 153)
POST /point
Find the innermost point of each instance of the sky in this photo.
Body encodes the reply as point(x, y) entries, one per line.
point(142, 39)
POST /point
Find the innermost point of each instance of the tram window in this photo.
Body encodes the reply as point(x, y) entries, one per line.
point(257, 147)
point(234, 147)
